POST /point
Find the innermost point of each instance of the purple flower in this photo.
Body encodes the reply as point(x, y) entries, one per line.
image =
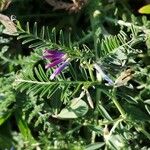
point(56, 57)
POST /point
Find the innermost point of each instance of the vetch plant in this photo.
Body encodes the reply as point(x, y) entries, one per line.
point(68, 98)
point(83, 84)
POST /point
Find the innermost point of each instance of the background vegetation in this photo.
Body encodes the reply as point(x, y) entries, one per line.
point(79, 108)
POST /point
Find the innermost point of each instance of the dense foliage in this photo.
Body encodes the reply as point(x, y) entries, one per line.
point(74, 75)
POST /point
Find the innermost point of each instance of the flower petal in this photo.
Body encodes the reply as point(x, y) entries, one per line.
point(53, 57)
point(104, 76)
point(53, 52)
point(58, 70)
point(54, 63)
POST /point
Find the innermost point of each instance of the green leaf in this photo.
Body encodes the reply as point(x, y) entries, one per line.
point(23, 127)
point(96, 128)
point(145, 9)
point(77, 108)
point(116, 142)
point(95, 146)
point(104, 112)
point(135, 113)
point(5, 116)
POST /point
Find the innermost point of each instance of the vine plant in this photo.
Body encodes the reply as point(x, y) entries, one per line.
point(96, 98)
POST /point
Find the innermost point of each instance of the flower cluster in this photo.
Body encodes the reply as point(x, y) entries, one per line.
point(56, 58)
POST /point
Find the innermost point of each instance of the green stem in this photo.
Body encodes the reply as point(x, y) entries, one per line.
point(73, 130)
point(98, 96)
point(84, 39)
point(117, 104)
point(91, 72)
point(102, 123)
point(111, 122)
point(96, 30)
point(139, 128)
point(95, 20)
point(56, 82)
point(127, 24)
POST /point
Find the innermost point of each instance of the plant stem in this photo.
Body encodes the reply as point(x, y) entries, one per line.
point(95, 24)
point(117, 104)
point(120, 118)
point(74, 129)
point(90, 72)
point(139, 128)
point(96, 30)
point(98, 96)
point(128, 24)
